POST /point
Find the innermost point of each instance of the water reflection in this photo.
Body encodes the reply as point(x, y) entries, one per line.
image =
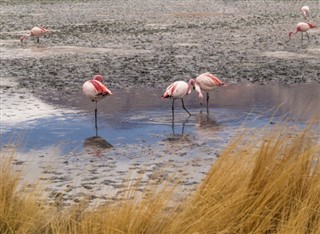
point(207, 127)
point(96, 145)
point(183, 126)
point(206, 121)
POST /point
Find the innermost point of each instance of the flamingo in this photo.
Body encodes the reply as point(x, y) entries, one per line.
point(178, 90)
point(35, 32)
point(302, 27)
point(305, 11)
point(206, 82)
point(96, 91)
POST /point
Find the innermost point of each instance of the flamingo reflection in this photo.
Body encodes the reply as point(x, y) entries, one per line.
point(206, 121)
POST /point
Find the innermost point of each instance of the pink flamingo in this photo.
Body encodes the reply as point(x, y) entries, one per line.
point(178, 90)
point(35, 32)
point(302, 27)
point(206, 82)
point(305, 11)
point(96, 91)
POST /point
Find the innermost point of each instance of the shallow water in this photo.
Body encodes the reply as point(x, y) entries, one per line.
point(130, 118)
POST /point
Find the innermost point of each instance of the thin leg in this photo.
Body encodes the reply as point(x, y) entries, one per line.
point(38, 40)
point(308, 36)
point(301, 37)
point(172, 126)
point(95, 118)
point(207, 102)
point(184, 107)
point(173, 116)
point(172, 108)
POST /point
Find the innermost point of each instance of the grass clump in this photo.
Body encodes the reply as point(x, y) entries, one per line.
point(268, 184)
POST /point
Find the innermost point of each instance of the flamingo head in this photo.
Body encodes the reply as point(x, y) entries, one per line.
point(312, 25)
point(192, 82)
point(198, 89)
point(98, 78)
point(22, 38)
point(290, 34)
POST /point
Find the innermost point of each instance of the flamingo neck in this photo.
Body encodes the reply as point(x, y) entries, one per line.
point(290, 34)
point(198, 89)
point(191, 84)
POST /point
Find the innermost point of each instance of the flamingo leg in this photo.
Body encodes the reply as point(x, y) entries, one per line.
point(207, 102)
point(308, 36)
point(38, 40)
point(172, 109)
point(184, 107)
point(95, 118)
point(173, 116)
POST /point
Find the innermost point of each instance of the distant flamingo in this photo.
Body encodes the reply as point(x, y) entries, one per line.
point(305, 10)
point(96, 91)
point(178, 90)
point(35, 32)
point(206, 82)
point(302, 27)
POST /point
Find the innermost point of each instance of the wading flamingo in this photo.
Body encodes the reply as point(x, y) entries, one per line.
point(206, 82)
point(305, 10)
point(302, 27)
point(35, 32)
point(96, 91)
point(178, 90)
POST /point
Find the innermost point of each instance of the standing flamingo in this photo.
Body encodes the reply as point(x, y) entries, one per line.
point(302, 27)
point(206, 82)
point(96, 91)
point(178, 90)
point(305, 10)
point(35, 32)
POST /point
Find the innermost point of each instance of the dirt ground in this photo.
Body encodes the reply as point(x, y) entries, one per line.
point(152, 43)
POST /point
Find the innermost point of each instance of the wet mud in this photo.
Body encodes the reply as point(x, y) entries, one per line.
point(152, 43)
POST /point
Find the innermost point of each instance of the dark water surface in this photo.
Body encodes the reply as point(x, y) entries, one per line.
point(141, 117)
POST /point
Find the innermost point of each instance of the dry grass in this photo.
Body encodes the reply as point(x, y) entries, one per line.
point(268, 184)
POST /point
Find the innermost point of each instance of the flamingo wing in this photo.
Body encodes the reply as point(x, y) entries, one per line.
point(169, 91)
point(177, 89)
point(208, 82)
point(95, 90)
point(36, 31)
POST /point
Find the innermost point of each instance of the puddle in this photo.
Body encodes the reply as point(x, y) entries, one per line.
point(129, 118)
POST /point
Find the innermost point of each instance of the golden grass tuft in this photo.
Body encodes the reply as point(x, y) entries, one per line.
point(268, 183)
point(265, 185)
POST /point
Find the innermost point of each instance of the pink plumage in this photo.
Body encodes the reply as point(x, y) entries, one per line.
point(207, 82)
point(178, 90)
point(95, 89)
point(303, 28)
point(35, 32)
point(305, 10)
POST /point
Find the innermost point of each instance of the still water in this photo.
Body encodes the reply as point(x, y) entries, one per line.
point(129, 117)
